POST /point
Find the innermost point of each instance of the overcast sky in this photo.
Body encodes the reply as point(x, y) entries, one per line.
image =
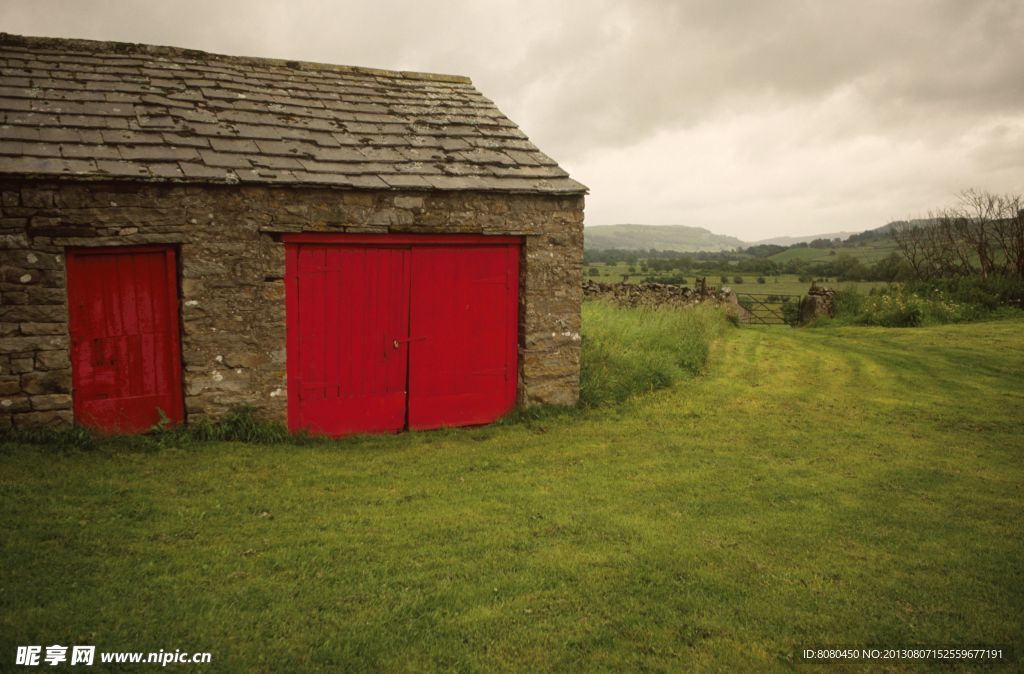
point(754, 119)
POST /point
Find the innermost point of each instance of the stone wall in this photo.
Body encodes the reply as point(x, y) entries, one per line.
point(232, 279)
point(818, 302)
point(662, 294)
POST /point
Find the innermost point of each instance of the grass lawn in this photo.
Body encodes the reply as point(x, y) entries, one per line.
point(843, 487)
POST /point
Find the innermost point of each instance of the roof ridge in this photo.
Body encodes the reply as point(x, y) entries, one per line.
point(111, 46)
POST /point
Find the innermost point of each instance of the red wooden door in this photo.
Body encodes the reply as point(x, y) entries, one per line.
point(347, 306)
point(125, 342)
point(464, 311)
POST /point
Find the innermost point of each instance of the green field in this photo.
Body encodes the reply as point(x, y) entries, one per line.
point(828, 487)
point(869, 253)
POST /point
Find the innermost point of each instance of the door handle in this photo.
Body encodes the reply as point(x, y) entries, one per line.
point(398, 342)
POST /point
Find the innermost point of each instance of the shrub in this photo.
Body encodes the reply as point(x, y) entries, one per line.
point(761, 280)
point(890, 310)
point(898, 307)
point(628, 351)
point(990, 293)
point(675, 279)
point(593, 271)
point(737, 279)
point(790, 311)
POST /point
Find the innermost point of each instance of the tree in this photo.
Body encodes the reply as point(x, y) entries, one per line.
point(983, 234)
point(974, 221)
point(889, 269)
point(1008, 232)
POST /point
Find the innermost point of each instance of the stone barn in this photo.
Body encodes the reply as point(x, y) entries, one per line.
point(344, 249)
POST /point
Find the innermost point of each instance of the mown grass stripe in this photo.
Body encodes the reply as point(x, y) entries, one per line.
point(830, 486)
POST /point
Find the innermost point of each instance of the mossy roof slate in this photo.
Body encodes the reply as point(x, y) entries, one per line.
point(83, 109)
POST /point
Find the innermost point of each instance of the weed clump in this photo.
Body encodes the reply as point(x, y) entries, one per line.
point(629, 351)
point(239, 424)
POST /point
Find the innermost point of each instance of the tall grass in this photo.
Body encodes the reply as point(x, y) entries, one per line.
point(628, 351)
point(625, 351)
point(241, 424)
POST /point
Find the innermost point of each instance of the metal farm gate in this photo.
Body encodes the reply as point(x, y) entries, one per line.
point(769, 308)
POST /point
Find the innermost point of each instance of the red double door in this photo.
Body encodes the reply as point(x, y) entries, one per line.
point(386, 334)
point(125, 340)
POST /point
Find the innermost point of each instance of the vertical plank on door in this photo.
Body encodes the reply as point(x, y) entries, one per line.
point(125, 339)
point(464, 334)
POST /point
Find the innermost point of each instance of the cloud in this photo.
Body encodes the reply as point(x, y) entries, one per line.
point(797, 116)
point(675, 65)
point(756, 174)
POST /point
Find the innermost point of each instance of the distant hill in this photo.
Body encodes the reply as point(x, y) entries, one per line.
point(790, 240)
point(917, 222)
point(684, 239)
point(660, 237)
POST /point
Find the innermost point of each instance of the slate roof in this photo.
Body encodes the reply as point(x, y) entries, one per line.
point(105, 110)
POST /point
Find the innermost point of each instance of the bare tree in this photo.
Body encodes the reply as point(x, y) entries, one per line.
point(1008, 232)
point(906, 240)
point(977, 213)
point(982, 235)
point(953, 251)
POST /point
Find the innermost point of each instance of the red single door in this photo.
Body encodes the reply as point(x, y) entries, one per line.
point(348, 314)
point(464, 316)
point(125, 343)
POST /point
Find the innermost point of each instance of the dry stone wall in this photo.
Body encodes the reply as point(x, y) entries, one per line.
point(818, 302)
point(660, 294)
point(232, 279)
